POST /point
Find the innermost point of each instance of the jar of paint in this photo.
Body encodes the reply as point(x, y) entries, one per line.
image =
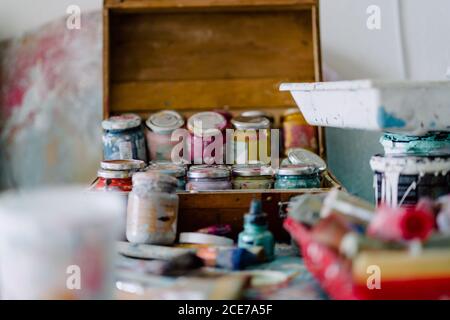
point(205, 128)
point(207, 178)
point(300, 156)
point(297, 133)
point(297, 177)
point(432, 144)
point(252, 177)
point(152, 209)
point(251, 137)
point(259, 113)
point(123, 138)
point(109, 180)
point(160, 127)
point(256, 232)
point(177, 171)
point(403, 180)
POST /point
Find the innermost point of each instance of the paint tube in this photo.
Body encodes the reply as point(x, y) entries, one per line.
point(407, 223)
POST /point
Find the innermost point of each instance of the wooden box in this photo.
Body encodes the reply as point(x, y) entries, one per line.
point(197, 55)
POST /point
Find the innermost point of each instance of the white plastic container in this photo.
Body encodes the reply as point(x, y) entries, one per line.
point(403, 106)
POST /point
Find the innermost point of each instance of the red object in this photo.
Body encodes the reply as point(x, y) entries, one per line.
point(335, 274)
point(404, 223)
point(116, 184)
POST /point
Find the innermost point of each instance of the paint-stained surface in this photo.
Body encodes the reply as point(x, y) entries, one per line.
point(50, 105)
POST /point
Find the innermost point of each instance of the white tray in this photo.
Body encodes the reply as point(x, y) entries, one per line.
point(407, 107)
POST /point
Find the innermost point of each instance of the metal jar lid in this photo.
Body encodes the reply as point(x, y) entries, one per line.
point(245, 123)
point(167, 167)
point(122, 122)
point(110, 174)
point(306, 157)
point(122, 165)
point(206, 124)
point(164, 122)
point(297, 170)
point(258, 113)
point(251, 171)
point(154, 180)
point(206, 171)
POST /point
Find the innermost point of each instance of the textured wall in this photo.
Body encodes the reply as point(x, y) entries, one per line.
point(50, 104)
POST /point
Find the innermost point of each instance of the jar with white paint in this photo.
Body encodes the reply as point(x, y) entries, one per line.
point(152, 209)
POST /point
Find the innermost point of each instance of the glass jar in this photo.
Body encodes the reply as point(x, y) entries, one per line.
point(204, 128)
point(252, 177)
point(207, 178)
point(177, 171)
point(123, 138)
point(109, 180)
point(297, 177)
point(160, 127)
point(297, 133)
point(251, 139)
point(152, 209)
point(259, 113)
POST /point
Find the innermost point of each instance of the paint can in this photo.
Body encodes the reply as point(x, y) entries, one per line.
point(175, 170)
point(206, 178)
point(205, 128)
point(430, 144)
point(403, 180)
point(297, 133)
point(160, 127)
point(252, 139)
point(252, 177)
point(123, 138)
point(58, 244)
point(152, 209)
point(297, 177)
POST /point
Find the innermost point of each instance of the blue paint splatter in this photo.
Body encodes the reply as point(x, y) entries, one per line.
point(388, 120)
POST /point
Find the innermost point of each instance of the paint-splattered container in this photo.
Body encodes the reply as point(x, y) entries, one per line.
point(252, 177)
point(205, 127)
point(152, 209)
point(160, 127)
point(297, 133)
point(252, 140)
point(177, 171)
point(393, 106)
point(403, 180)
point(297, 177)
point(208, 178)
point(58, 244)
point(123, 138)
point(432, 143)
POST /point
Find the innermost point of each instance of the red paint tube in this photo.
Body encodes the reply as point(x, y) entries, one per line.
point(404, 223)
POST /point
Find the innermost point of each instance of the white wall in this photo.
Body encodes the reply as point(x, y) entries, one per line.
point(19, 16)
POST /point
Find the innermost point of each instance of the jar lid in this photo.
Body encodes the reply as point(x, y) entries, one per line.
point(306, 157)
point(251, 170)
point(291, 111)
point(208, 171)
point(154, 178)
point(257, 113)
point(297, 170)
point(165, 121)
point(167, 167)
point(123, 122)
point(110, 174)
point(243, 123)
point(122, 165)
point(206, 124)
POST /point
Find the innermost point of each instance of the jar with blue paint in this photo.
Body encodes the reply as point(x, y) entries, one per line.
point(430, 144)
point(123, 138)
point(297, 177)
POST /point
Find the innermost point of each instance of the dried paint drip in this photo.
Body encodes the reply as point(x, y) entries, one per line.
point(403, 180)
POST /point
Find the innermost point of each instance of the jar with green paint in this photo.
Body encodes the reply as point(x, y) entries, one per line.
point(297, 177)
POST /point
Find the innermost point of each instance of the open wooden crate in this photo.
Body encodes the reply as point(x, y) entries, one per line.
point(197, 55)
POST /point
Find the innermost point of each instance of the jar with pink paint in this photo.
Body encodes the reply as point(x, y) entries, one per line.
point(160, 127)
point(205, 127)
point(207, 178)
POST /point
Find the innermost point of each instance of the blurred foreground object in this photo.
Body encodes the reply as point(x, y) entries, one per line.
point(58, 244)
